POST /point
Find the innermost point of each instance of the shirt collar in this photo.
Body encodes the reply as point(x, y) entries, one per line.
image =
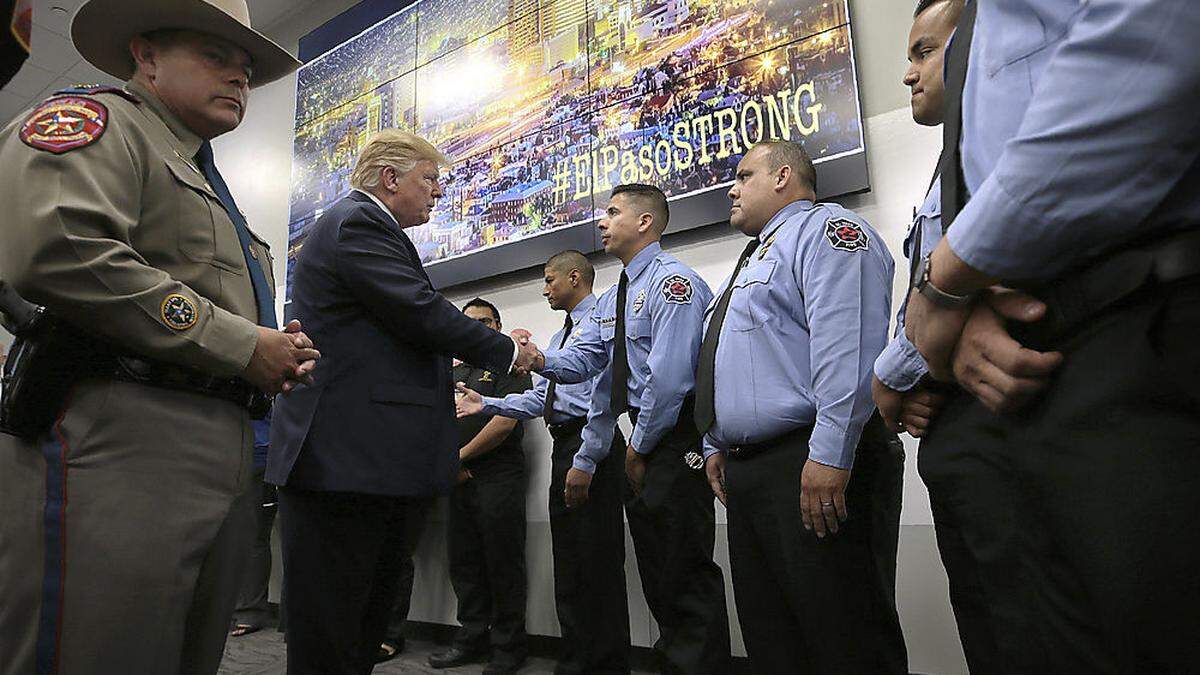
point(187, 142)
point(642, 260)
point(583, 309)
point(380, 204)
point(782, 216)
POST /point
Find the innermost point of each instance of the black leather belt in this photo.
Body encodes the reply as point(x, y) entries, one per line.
point(167, 376)
point(1108, 282)
point(748, 450)
point(571, 427)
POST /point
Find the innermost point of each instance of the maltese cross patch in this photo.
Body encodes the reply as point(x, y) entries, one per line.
point(677, 289)
point(846, 235)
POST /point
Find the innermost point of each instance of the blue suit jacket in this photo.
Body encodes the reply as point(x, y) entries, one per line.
point(380, 417)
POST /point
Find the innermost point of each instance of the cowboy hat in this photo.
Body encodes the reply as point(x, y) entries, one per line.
point(102, 30)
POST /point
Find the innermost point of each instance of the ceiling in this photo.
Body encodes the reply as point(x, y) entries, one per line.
point(54, 64)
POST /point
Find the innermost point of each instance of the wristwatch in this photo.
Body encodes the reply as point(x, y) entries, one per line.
point(934, 294)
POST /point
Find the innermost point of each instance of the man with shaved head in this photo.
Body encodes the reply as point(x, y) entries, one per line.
point(589, 539)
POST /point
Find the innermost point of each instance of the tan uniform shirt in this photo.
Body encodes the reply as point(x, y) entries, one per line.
point(124, 237)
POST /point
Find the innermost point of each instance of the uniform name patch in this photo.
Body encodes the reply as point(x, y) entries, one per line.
point(846, 235)
point(677, 289)
point(65, 123)
point(178, 312)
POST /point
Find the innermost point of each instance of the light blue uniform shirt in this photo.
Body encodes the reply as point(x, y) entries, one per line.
point(1079, 131)
point(901, 366)
point(570, 400)
point(808, 315)
point(664, 316)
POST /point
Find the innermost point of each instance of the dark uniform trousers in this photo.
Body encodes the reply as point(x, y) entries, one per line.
point(808, 605)
point(969, 477)
point(253, 607)
point(590, 595)
point(672, 523)
point(487, 562)
point(331, 542)
point(1107, 472)
point(414, 524)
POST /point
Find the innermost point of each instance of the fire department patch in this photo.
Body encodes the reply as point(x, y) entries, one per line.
point(65, 123)
point(846, 235)
point(178, 312)
point(677, 289)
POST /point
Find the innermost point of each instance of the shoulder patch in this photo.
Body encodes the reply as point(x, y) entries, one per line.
point(677, 289)
point(88, 89)
point(178, 312)
point(65, 123)
point(846, 235)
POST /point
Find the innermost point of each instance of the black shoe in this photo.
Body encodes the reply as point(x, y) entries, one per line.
point(389, 649)
point(456, 656)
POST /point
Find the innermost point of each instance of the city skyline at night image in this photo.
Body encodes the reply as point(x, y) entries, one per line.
point(542, 106)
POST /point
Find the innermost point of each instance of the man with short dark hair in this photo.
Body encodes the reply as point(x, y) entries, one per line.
point(782, 395)
point(588, 538)
point(126, 523)
point(487, 523)
point(643, 343)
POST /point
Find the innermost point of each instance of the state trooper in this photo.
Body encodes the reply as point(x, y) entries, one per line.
point(643, 343)
point(588, 539)
point(1074, 178)
point(126, 524)
point(783, 394)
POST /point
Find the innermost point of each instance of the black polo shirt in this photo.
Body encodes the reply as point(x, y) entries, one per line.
point(508, 455)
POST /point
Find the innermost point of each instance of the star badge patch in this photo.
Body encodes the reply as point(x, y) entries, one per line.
point(677, 289)
point(65, 123)
point(178, 312)
point(846, 235)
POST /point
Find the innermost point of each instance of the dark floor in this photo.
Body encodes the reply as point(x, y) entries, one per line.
point(262, 653)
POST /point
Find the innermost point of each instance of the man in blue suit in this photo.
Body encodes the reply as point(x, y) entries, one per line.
point(376, 431)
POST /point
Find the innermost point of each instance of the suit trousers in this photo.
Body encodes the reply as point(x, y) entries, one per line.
point(414, 522)
point(810, 605)
point(124, 533)
point(672, 523)
point(590, 595)
point(487, 562)
point(342, 557)
point(1107, 472)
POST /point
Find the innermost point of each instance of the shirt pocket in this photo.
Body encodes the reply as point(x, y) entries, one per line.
point(638, 328)
point(751, 290)
point(205, 232)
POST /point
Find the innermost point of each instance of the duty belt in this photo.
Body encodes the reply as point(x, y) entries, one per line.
point(167, 376)
point(1110, 281)
point(572, 426)
point(798, 435)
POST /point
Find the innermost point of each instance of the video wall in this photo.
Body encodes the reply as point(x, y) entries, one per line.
point(543, 105)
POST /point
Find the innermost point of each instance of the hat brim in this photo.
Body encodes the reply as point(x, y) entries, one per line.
point(102, 29)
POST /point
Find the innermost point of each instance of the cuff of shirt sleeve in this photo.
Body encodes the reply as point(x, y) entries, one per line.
point(583, 463)
point(489, 406)
point(993, 235)
point(549, 366)
point(831, 446)
point(900, 366)
point(710, 450)
point(637, 439)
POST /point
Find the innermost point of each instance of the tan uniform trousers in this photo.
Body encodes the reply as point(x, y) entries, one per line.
point(123, 534)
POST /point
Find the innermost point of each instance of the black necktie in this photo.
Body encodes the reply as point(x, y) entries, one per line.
point(619, 403)
point(258, 280)
point(954, 193)
point(706, 411)
point(548, 406)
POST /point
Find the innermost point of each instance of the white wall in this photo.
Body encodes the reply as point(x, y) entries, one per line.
point(256, 162)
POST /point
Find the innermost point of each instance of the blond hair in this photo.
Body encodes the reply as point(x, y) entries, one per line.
point(400, 150)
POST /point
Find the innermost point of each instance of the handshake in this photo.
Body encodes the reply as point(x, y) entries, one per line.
point(529, 357)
